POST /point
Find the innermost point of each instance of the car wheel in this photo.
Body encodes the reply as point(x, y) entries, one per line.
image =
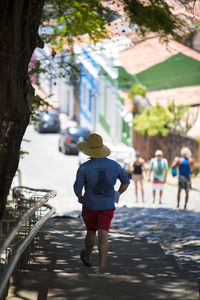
point(67, 150)
point(63, 149)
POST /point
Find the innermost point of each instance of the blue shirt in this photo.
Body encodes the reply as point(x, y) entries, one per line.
point(98, 176)
point(184, 167)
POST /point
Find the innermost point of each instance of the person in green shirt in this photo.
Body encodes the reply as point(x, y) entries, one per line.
point(159, 167)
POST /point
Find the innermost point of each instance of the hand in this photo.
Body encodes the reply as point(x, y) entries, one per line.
point(80, 200)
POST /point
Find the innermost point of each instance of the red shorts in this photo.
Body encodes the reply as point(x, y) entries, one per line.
point(97, 219)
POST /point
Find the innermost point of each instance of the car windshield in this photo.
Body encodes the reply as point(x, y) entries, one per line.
point(50, 113)
point(79, 131)
point(53, 112)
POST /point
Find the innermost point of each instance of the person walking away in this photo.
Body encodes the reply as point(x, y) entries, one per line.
point(98, 177)
point(185, 164)
point(137, 165)
point(159, 167)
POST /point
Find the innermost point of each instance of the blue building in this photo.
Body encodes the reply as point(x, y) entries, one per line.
point(88, 91)
point(101, 106)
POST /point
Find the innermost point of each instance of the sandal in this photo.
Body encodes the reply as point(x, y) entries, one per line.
point(82, 256)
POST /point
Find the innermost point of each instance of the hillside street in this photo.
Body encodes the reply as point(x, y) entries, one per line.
point(176, 230)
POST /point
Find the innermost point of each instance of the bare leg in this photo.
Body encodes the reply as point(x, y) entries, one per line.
point(154, 196)
point(136, 190)
point(89, 244)
point(161, 192)
point(178, 197)
point(186, 198)
point(142, 190)
point(103, 247)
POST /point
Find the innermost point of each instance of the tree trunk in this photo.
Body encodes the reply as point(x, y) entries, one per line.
point(149, 150)
point(18, 39)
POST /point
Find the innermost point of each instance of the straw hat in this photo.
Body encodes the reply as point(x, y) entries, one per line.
point(185, 152)
point(158, 152)
point(94, 147)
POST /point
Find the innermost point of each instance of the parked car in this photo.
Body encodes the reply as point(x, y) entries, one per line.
point(119, 152)
point(48, 121)
point(70, 137)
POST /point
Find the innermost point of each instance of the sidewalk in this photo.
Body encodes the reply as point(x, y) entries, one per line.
point(135, 269)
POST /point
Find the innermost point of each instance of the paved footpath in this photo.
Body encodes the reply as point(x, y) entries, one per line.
point(135, 269)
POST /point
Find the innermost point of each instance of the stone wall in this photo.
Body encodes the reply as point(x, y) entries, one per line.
point(170, 145)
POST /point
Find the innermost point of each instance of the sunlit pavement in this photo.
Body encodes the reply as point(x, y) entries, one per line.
point(169, 199)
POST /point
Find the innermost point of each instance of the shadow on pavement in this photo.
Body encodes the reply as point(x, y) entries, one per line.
point(135, 269)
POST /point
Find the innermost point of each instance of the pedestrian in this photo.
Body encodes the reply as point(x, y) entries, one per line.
point(98, 177)
point(159, 167)
point(185, 164)
point(137, 167)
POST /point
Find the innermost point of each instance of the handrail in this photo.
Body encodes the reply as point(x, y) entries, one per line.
point(11, 236)
point(15, 257)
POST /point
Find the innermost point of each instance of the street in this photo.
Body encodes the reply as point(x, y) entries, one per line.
point(176, 230)
point(45, 167)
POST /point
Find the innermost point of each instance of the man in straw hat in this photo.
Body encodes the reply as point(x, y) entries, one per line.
point(98, 177)
point(185, 164)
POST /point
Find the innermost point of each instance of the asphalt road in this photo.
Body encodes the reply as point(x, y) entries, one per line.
point(45, 167)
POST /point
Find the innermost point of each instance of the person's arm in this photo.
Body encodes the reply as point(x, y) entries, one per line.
point(175, 162)
point(123, 187)
point(191, 163)
point(123, 177)
point(130, 165)
point(151, 169)
point(166, 170)
point(78, 184)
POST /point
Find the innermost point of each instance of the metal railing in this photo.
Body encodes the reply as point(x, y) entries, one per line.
point(26, 212)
